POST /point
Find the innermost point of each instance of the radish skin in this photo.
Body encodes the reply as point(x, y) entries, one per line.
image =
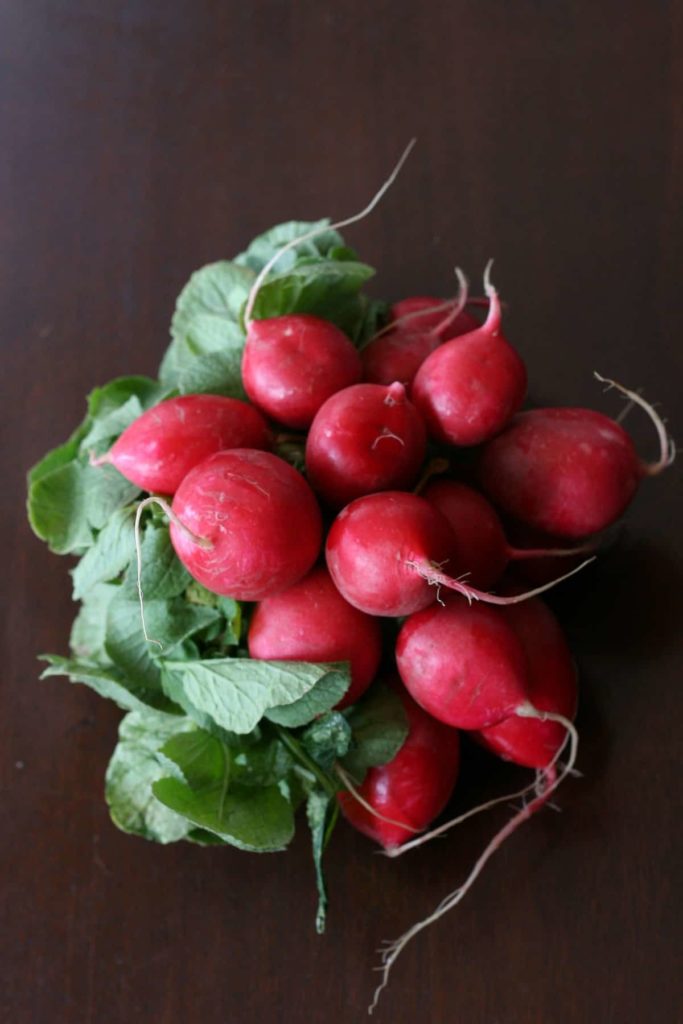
point(162, 445)
point(384, 553)
point(570, 472)
point(469, 387)
point(258, 519)
point(292, 364)
point(311, 621)
point(403, 796)
point(365, 438)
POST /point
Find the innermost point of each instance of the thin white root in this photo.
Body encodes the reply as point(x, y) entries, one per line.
point(521, 794)
point(517, 554)
point(447, 304)
point(346, 779)
point(458, 305)
point(667, 448)
point(492, 322)
point(202, 541)
point(392, 950)
point(99, 460)
point(249, 309)
point(436, 578)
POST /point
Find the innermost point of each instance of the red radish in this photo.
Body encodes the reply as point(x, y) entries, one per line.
point(468, 388)
point(487, 678)
point(427, 313)
point(551, 685)
point(163, 444)
point(413, 788)
point(570, 472)
point(245, 524)
point(384, 553)
point(463, 664)
point(365, 438)
point(311, 621)
point(291, 364)
point(481, 552)
point(398, 350)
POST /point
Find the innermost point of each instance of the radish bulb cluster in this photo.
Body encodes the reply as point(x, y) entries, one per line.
point(358, 554)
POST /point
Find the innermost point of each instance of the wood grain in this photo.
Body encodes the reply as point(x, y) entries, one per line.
point(142, 139)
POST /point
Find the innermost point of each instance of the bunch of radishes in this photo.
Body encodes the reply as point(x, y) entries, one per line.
point(381, 550)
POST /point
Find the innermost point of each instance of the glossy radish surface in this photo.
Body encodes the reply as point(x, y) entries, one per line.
point(386, 553)
point(481, 552)
point(469, 388)
point(569, 472)
point(365, 438)
point(291, 364)
point(480, 549)
point(311, 621)
point(399, 351)
point(161, 447)
point(256, 522)
point(551, 684)
point(463, 663)
point(374, 545)
point(413, 788)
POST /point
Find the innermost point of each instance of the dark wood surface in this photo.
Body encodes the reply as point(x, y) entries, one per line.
point(140, 140)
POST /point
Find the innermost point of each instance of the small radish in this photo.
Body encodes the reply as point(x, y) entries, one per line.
point(569, 472)
point(398, 350)
point(404, 796)
point(385, 552)
point(481, 552)
point(467, 665)
point(365, 438)
point(245, 524)
point(163, 444)
point(291, 364)
point(468, 388)
point(551, 685)
point(311, 621)
point(463, 664)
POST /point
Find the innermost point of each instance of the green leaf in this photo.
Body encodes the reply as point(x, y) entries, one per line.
point(163, 574)
point(327, 692)
point(236, 692)
point(169, 622)
point(328, 739)
point(57, 508)
point(264, 246)
point(317, 813)
point(230, 609)
point(108, 427)
point(322, 288)
point(256, 819)
point(126, 646)
point(111, 396)
point(218, 373)
point(135, 765)
point(206, 319)
point(105, 492)
point(109, 555)
point(59, 456)
point(379, 725)
point(107, 681)
point(88, 632)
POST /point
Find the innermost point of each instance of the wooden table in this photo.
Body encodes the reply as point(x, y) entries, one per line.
point(143, 139)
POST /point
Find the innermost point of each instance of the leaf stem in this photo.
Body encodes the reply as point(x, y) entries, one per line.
point(297, 751)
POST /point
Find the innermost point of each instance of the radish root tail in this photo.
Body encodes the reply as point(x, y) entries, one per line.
point(249, 309)
point(392, 950)
point(202, 541)
point(346, 779)
point(436, 578)
point(667, 448)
